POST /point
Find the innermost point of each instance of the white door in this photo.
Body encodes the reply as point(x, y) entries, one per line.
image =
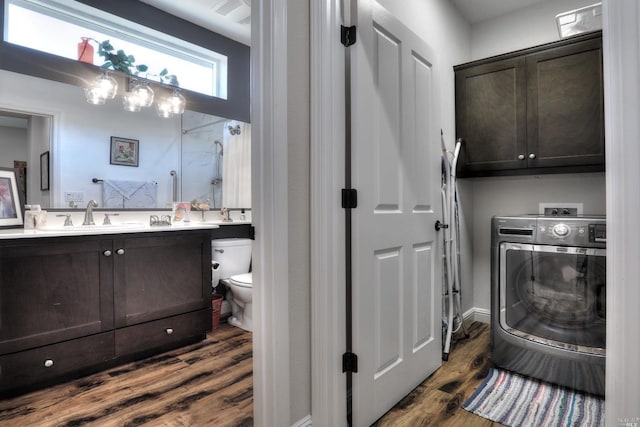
point(396, 171)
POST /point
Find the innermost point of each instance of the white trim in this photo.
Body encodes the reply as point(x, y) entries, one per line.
point(304, 422)
point(476, 314)
point(622, 106)
point(328, 386)
point(271, 388)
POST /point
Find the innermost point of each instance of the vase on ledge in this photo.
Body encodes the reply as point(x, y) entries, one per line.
point(85, 50)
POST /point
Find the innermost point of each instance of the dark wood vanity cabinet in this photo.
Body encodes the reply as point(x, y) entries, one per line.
point(162, 288)
point(539, 110)
point(69, 305)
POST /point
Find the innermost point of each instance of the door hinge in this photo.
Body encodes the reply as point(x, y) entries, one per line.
point(349, 198)
point(348, 35)
point(349, 362)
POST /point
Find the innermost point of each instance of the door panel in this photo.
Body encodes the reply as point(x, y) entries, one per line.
point(388, 181)
point(396, 170)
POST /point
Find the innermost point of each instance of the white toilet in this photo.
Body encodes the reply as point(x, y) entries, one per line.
point(233, 257)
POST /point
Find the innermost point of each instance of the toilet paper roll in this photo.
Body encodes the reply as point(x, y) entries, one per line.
point(215, 273)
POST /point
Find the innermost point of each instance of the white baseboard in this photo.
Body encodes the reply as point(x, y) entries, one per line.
point(476, 314)
point(304, 422)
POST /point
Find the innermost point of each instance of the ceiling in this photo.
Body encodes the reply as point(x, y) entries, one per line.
point(480, 10)
point(231, 18)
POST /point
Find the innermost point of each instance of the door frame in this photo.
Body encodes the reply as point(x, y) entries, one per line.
point(269, 197)
point(327, 157)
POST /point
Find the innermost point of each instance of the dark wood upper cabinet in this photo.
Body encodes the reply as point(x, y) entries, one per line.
point(539, 110)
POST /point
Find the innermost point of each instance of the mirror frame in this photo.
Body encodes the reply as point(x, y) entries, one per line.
point(35, 63)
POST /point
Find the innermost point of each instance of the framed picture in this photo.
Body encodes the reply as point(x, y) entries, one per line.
point(124, 151)
point(11, 213)
point(44, 171)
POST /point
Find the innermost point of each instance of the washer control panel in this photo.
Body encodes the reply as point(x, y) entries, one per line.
point(571, 231)
point(561, 230)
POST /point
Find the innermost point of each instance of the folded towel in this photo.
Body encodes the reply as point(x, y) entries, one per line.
point(128, 194)
point(125, 188)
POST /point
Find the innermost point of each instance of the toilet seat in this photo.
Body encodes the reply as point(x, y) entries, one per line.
point(242, 280)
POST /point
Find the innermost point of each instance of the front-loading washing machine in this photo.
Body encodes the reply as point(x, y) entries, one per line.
point(548, 300)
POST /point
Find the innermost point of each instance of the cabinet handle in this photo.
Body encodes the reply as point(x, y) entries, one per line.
point(120, 251)
point(169, 331)
point(520, 156)
point(532, 156)
point(48, 363)
point(106, 253)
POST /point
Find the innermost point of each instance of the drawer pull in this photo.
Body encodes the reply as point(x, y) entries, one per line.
point(520, 156)
point(532, 156)
point(48, 363)
point(120, 251)
point(169, 331)
point(106, 253)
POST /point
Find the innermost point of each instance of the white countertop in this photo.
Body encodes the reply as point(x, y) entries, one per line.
point(85, 230)
point(122, 222)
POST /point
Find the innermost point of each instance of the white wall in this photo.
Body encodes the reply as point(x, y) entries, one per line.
point(515, 195)
point(13, 145)
point(523, 28)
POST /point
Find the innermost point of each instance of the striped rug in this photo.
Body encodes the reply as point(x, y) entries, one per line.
point(516, 401)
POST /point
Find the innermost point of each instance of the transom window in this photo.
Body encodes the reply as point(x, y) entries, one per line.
point(58, 27)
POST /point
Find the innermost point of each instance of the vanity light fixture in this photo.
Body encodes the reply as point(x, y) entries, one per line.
point(139, 94)
point(173, 104)
point(130, 102)
point(164, 109)
point(101, 89)
point(143, 93)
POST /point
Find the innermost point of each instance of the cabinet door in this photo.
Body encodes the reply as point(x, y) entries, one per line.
point(161, 276)
point(53, 290)
point(491, 115)
point(565, 111)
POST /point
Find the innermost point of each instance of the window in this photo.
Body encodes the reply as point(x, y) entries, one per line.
point(58, 27)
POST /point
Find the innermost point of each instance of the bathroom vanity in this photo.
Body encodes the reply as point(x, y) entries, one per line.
point(74, 304)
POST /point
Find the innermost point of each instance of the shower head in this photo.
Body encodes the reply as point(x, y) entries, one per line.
point(221, 152)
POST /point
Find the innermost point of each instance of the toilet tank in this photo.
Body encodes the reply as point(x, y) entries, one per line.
point(233, 255)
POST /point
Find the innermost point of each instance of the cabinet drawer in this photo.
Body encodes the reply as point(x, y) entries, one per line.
point(162, 333)
point(43, 364)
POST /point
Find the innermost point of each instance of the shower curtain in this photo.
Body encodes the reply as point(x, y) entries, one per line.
point(236, 165)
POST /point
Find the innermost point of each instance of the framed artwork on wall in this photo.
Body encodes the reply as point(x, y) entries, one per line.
point(44, 171)
point(11, 213)
point(124, 151)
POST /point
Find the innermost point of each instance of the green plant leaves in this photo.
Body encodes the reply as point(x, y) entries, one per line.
point(120, 61)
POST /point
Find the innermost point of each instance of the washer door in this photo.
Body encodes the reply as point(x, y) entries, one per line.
point(555, 295)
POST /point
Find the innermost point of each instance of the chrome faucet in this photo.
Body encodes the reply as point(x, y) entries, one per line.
point(88, 215)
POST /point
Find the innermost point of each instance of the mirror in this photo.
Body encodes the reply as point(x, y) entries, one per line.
point(193, 156)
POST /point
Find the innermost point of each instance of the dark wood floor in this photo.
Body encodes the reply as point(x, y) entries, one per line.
point(205, 384)
point(437, 401)
point(210, 384)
